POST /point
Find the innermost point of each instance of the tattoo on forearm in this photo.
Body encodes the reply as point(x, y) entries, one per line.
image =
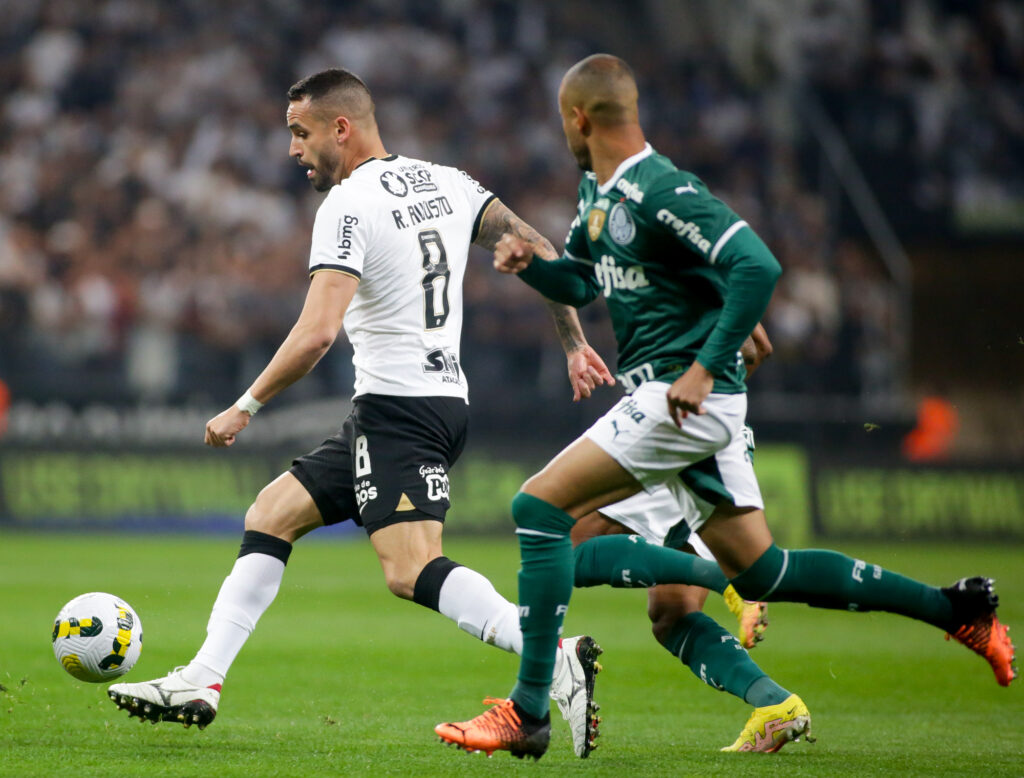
point(567, 324)
point(499, 219)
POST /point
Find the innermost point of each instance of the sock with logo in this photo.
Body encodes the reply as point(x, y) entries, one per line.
point(718, 659)
point(629, 561)
point(545, 586)
point(471, 601)
point(245, 594)
point(828, 579)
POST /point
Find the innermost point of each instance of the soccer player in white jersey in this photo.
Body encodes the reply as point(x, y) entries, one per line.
point(389, 251)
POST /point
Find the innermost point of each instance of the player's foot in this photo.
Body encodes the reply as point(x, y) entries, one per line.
point(974, 608)
point(769, 728)
point(572, 687)
point(170, 698)
point(752, 617)
point(505, 727)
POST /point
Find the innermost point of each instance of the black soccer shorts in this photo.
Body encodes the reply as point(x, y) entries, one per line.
point(389, 461)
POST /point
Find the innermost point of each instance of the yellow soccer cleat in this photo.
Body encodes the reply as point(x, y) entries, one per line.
point(752, 617)
point(769, 728)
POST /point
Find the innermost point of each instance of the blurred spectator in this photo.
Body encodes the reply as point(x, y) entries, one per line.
point(153, 232)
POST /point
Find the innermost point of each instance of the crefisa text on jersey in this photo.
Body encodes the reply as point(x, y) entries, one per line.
point(611, 276)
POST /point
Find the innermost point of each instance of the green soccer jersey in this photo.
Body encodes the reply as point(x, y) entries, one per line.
point(684, 277)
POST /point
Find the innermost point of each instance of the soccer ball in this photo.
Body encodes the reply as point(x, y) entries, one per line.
point(97, 637)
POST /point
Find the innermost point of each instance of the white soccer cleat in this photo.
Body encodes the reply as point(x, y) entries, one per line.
point(170, 698)
point(572, 687)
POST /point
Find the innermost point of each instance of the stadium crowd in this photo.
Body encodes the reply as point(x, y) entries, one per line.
point(153, 232)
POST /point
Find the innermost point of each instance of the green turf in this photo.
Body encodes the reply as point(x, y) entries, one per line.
point(341, 678)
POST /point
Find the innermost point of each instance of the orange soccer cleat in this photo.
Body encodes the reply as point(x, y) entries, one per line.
point(502, 728)
point(975, 601)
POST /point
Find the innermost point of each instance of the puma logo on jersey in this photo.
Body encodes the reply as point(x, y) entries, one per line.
point(690, 188)
point(688, 230)
point(611, 276)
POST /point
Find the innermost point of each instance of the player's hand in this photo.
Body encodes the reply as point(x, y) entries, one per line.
point(587, 371)
point(222, 429)
point(688, 393)
point(512, 254)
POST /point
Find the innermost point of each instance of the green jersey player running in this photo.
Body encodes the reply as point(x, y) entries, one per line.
point(686, 281)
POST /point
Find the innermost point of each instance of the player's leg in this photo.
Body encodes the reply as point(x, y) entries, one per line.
point(740, 539)
point(582, 478)
point(675, 610)
point(403, 450)
point(282, 513)
point(415, 568)
point(627, 545)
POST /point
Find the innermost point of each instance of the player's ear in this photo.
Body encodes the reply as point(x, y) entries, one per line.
point(581, 121)
point(342, 129)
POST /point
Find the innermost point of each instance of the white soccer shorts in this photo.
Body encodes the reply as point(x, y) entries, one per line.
point(705, 462)
point(662, 517)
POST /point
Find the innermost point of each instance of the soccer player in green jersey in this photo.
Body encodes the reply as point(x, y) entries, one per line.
point(686, 281)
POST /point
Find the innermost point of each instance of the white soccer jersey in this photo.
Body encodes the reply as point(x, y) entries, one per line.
point(403, 227)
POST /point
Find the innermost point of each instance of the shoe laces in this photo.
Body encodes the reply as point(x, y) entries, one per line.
point(502, 719)
point(975, 635)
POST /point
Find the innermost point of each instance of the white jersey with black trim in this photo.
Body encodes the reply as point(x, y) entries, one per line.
point(403, 227)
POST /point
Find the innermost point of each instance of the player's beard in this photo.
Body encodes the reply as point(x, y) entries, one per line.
point(323, 171)
point(581, 153)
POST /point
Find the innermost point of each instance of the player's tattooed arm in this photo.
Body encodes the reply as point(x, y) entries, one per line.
point(586, 368)
point(756, 349)
point(498, 220)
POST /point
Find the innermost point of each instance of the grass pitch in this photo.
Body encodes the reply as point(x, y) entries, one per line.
point(341, 678)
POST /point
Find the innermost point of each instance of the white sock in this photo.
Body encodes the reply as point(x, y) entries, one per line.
point(469, 599)
point(245, 594)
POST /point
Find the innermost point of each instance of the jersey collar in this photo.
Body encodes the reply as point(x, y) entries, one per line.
point(625, 165)
point(368, 160)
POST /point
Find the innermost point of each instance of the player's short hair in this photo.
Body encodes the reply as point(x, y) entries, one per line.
point(335, 88)
point(605, 87)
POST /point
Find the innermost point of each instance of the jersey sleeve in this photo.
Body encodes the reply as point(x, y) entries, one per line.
point(708, 227)
point(339, 236)
point(478, 198)
point(576, 246)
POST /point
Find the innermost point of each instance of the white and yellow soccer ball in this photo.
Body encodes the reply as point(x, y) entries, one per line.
point(97, 637)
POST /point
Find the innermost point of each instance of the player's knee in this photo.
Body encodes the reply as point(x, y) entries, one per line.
point(401, 581)
point(664, 611)
point(259, 517)
point(759, 581)
point(531, 512)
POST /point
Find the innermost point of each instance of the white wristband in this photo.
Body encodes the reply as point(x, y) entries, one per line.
point(248, 403)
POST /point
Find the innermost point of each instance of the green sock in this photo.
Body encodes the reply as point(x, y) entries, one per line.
point(828, 579)
point(764, 691)
point(718, 659)
point(629, 561)
point(545, 585)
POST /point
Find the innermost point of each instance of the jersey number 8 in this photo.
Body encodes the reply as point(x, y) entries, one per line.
point(435, 280)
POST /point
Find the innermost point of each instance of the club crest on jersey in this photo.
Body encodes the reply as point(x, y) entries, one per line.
point(394, 184)
point(595, 222)
point(620, 225)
